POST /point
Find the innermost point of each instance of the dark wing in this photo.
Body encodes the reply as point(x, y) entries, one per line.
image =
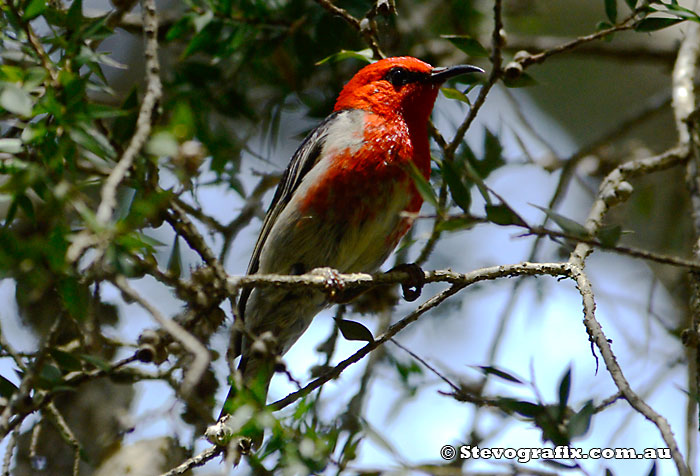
point(303, 160)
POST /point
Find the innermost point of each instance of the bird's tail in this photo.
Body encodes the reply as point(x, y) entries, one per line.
point(250, 385)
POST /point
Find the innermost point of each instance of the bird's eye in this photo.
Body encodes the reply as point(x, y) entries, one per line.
point(398, 77)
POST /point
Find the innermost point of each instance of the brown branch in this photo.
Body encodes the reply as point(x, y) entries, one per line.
point(195, 461)
point(200, 353)
point(459, 281)
point(527, 59)
point(154, 90)
point(628, 50)
point(363, 26)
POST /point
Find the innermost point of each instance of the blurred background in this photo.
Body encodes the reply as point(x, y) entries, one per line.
point(243, 82)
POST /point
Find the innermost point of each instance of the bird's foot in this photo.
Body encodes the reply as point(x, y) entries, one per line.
point(412, 287)
point(334, 286)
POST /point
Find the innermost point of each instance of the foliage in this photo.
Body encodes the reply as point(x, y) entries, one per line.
point(233, 71)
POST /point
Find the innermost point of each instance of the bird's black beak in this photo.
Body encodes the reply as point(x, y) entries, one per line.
point(440, 75)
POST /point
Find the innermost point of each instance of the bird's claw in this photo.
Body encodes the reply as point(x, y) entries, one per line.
point(412, 287)
point(334, 286)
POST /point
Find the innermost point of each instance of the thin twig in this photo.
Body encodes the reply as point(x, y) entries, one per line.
point(196, 461)
point(528, 60)
point(459, 282)
point(154, 90)
point(201, 355)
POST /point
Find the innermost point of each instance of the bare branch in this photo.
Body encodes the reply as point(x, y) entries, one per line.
point(458, 281)
point(154, 91)
point(195, 461)
point(201, 355)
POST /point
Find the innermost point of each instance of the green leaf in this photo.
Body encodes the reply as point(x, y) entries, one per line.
point(490, 370)
point(33, 9)
point(422, 184)
point(365, 55)
point(16, 100)
point(467, 44)
point(469, 161)
point(456, 224)
point(74, 17)
point(97, 362)
point(652, 470)
point(631, 3)
point(352, 330)
point(609, 235)
point(49, 377)
point(7, 388)
point(580, 422)
point(655, 23)
point(611, 10)
point(66, 361)
point(452, 93)
point(11, 145)
point(493, 155)
point(503, 215)
point(93, 140)
point(564, 389)
point(523, 80)
point(567, 225)
point(460, 193)
point(175, 260)
point(75, 297)
point(26, 205)
point(524, 408)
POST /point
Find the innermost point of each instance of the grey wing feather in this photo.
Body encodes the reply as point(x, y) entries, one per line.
point(303, 160)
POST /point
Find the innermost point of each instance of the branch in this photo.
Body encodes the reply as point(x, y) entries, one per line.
point(459, 281)
point(143, 129)
point(526, 59)
point(612, 191)
point(201, 355)
point(195, 461)
point(363, 26)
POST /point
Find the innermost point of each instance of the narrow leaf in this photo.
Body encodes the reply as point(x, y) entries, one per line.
point(490, 370)
point(365, 55)
point(522, 81)
point(7, 388)
point(66, 361)
point(611, 10)
point(609, 235)
point(503, 215)
point(567, 225)
point(352, 330)
point(564, 389)
point(655, 23)
point(452, 93)
point(580, 422)
point(98, 362)
point(456, 224)
point(175, 260)
point(33, 9)
point(460, 193)
point(422, 185)
point(652, 470)
point(467, 44)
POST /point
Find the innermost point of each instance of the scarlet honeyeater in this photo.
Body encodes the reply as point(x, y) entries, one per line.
point(341, 201)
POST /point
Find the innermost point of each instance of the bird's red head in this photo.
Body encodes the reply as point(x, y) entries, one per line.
point(401, 85)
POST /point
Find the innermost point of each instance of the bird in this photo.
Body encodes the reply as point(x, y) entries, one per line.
point(344, 202)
